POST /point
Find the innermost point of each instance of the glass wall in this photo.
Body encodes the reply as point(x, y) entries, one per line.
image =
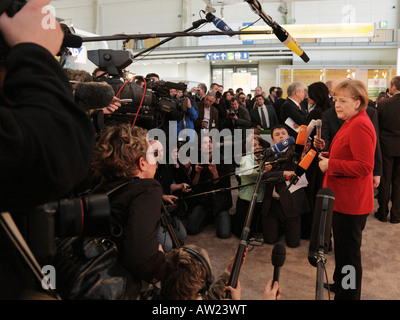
point(375, 77)
point(228, 77)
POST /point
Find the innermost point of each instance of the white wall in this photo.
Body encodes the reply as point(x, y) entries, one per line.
point(354, 11)
point(159, 16)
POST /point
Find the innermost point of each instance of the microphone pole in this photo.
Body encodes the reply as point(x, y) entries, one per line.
point(195, 25)
point(322, 224)
point(269, 180)
point(233, 279)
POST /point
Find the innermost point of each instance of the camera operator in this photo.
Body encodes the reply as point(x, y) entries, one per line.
point(47, 140)
point(188, 117)
point(238, 116)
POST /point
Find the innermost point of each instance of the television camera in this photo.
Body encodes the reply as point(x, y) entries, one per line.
point(151, 103)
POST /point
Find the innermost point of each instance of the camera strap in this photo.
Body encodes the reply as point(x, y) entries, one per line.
point(11, 229)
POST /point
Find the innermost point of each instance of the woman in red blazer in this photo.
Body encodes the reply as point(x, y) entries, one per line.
point(348, 171)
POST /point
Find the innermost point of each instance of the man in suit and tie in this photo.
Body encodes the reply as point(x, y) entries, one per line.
point(258, 91)
point(263, 117)
point(208, 114)
point(389, 134)
point(292, 108)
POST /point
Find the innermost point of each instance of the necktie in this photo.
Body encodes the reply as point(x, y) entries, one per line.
point(264, 123)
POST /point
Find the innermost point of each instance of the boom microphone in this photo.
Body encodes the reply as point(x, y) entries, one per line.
point(71, 41)
point(279, 32)
point(93, 95)
point(302, 167)
point(322, 222)
point(220, 24)
point(278, 259)
point(289, 41)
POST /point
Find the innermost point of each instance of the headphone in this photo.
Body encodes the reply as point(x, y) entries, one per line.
point(200, 257)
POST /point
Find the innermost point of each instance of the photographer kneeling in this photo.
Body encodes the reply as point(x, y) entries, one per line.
point(123, 155)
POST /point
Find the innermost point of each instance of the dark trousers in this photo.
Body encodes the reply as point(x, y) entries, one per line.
point(347, 236)
point(239, 218)
point(275, 223)
point(389, 188)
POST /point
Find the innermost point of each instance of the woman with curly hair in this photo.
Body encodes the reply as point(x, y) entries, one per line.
point(124, 158)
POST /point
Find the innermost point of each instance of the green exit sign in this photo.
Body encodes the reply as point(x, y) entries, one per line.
point(230, 56)
point(383, 24)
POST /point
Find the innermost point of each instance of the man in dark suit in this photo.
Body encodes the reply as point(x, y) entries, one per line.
point(263, 117)
point(331, 125)
point(292, 108)
point(238, 117)
point(389, 126)
point(279, 101)
point(282, 209)
point(257, 91)
point(208, 114)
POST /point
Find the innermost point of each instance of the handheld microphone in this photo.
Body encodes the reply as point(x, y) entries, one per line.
point(278, 259)
point(220, 24)
point(279, 32)
point(318, 124)
point(93, 95)
point(301, 139)
point(278, 147)
point(322, 222)
point(302, 167)
point(311, 127)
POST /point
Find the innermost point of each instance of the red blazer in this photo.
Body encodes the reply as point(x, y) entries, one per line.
point(351, 163)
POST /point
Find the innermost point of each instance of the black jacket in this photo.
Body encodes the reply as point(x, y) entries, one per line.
point(46, 142)
point(136, 212)
point(291, 110)
point(293, 204)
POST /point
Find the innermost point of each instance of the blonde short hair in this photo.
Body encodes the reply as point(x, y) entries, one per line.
point(356, 89)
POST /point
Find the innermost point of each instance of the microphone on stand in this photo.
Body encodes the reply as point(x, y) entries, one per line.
point(278, 259)
point(322, 222)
